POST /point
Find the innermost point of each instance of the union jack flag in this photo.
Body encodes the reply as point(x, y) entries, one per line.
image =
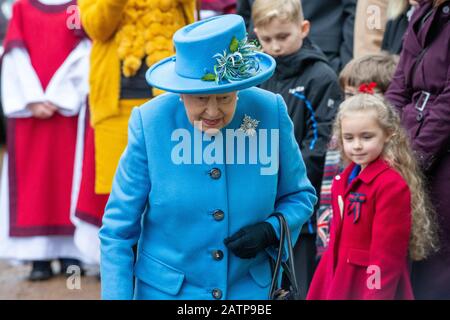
point(323, 229)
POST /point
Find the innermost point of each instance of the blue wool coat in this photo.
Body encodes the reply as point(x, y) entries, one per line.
point(180, 213)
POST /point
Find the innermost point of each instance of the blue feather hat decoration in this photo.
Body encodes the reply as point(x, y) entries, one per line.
point(240, 63)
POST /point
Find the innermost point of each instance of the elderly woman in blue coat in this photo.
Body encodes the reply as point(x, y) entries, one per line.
point(205, 167)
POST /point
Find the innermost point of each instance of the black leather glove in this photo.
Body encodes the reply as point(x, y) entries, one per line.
point(247, 242)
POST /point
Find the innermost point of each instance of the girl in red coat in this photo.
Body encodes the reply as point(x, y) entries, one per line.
point(380, 214)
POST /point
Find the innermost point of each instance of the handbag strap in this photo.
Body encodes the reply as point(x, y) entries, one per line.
point(276, 269)
point(288, 266)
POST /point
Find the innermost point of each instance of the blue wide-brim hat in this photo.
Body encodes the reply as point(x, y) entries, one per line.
point(212, 56)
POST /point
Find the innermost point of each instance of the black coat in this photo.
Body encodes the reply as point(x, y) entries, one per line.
point(393, 34)
point(308, 68)
point(332, 24)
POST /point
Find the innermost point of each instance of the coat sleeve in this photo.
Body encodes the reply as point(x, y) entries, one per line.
point(397, 93)
point(68, 88)
point(295, 195)
point(370, 22)
point(433, 138)
point(390, 237)
point(325, 98)
point(189, 9)
point(346, 49)
point(244, 9)
point(23, 86)
point(122, 220)
point(101, 18)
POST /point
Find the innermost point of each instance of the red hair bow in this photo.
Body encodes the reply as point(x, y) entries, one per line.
point(367, 88)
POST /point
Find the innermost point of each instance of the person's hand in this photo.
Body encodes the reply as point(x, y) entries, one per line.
point(248, 241)
point(42, 110)
point(51, 105)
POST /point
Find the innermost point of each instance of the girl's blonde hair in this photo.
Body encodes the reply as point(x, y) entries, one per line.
point(397, 152)
point(264, 11)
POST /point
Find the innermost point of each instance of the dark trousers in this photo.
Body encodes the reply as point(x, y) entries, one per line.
point(304, 262)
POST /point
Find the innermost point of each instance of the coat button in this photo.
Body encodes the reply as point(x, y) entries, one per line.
point(218, 215)
point(215, 173)
point(419, 117)
point(338, 177)
point(217, 255)
point(217, 294)
point(446, 9)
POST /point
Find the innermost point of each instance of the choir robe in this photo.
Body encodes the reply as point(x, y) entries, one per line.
point(38, 188)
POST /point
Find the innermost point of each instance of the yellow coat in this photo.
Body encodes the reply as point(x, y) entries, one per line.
point(102, 21)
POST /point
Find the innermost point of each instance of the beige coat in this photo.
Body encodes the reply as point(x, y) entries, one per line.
point(370, 23)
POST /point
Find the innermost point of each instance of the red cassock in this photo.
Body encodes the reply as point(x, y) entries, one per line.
point(367, 257)
point(41, 151)
point(90, 205)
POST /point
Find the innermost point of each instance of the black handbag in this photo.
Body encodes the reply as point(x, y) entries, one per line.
point(276, 292)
